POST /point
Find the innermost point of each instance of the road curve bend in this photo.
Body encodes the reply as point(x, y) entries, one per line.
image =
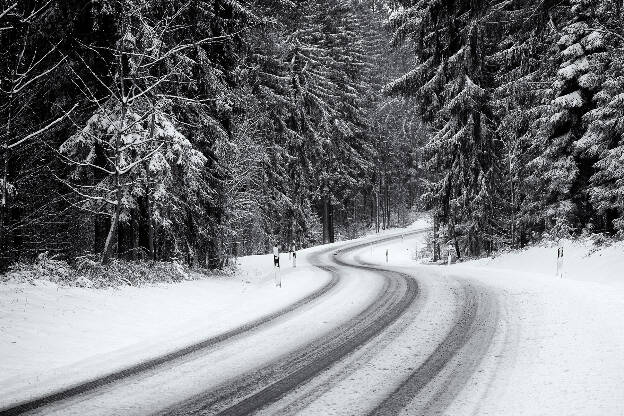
point(350, 360)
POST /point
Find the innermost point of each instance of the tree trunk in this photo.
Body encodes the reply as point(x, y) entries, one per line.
point(136, 254)
point(380, 194)
point(4, 199)
point(376, 212)
point(398, 212)
point(453, 236)
point(118, 185)
point(513, 205)
point(387, 197)
point(325, 219)
point(119, 193)
point(150, 231)
point(4, 252)
point(372, 208)
point(5, 184)
point(330, 222)
point(436, 251)
point(148, 193)
point(101, 225)
point(5, 191)
point(113, 229)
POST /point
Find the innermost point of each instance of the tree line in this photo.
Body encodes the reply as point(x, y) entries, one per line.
point(198, 130)
point(524, 102)
point(203, 129)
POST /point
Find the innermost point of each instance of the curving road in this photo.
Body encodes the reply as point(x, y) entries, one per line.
point(409, 343)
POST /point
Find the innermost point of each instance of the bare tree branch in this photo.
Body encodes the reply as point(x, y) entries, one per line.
point(41, 130)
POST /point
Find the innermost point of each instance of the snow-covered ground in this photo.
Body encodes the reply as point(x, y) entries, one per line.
point(558, 349)
point(582, 261)
point(564, 337)
point(52, 336)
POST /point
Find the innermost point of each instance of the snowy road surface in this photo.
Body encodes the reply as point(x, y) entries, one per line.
point(380, 339)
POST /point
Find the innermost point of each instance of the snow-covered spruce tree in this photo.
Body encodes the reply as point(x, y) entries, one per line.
point(348, 143)
point(307, 79)
point(204, 74)
point(448, 39)
point(562, 170)
point(400, 157)
point(392, 126)
point(279, 119)
point(522, 46)
point(604, 136)
point(376, 70)
point(316, 96)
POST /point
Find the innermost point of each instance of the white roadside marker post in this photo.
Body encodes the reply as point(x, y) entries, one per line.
point(560, 262)
point(276, 267)
point(450, 251)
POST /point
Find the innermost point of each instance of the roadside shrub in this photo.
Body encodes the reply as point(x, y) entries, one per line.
point(86, 272)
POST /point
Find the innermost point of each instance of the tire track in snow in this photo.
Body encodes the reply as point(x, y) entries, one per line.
point(95, 383)
point(254, 390)
point(430, 389)
point(434, 385)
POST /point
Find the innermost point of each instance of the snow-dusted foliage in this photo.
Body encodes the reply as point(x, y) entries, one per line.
point(310, 118)
point(574, 134)
point(147, 162)
point(8, 189)
point(90, 274)
point(202, 130)
point(447, 81)
point(545, 82)
point(605, 132)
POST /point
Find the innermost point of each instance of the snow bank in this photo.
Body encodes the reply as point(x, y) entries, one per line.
point(583, 260)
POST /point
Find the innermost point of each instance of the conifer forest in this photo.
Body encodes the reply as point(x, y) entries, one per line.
point(199, 130)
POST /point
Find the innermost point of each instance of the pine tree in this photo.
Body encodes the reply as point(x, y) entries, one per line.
point(602, 140)
point(449, 42)
point(521, 55)
point(561, 174)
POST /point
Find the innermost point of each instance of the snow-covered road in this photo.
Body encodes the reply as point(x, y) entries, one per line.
point(374, 337)
point(558, 345)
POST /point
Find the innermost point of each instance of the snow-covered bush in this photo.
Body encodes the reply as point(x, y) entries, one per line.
point(44, 268)
point(121, 273)
point(86, 272)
